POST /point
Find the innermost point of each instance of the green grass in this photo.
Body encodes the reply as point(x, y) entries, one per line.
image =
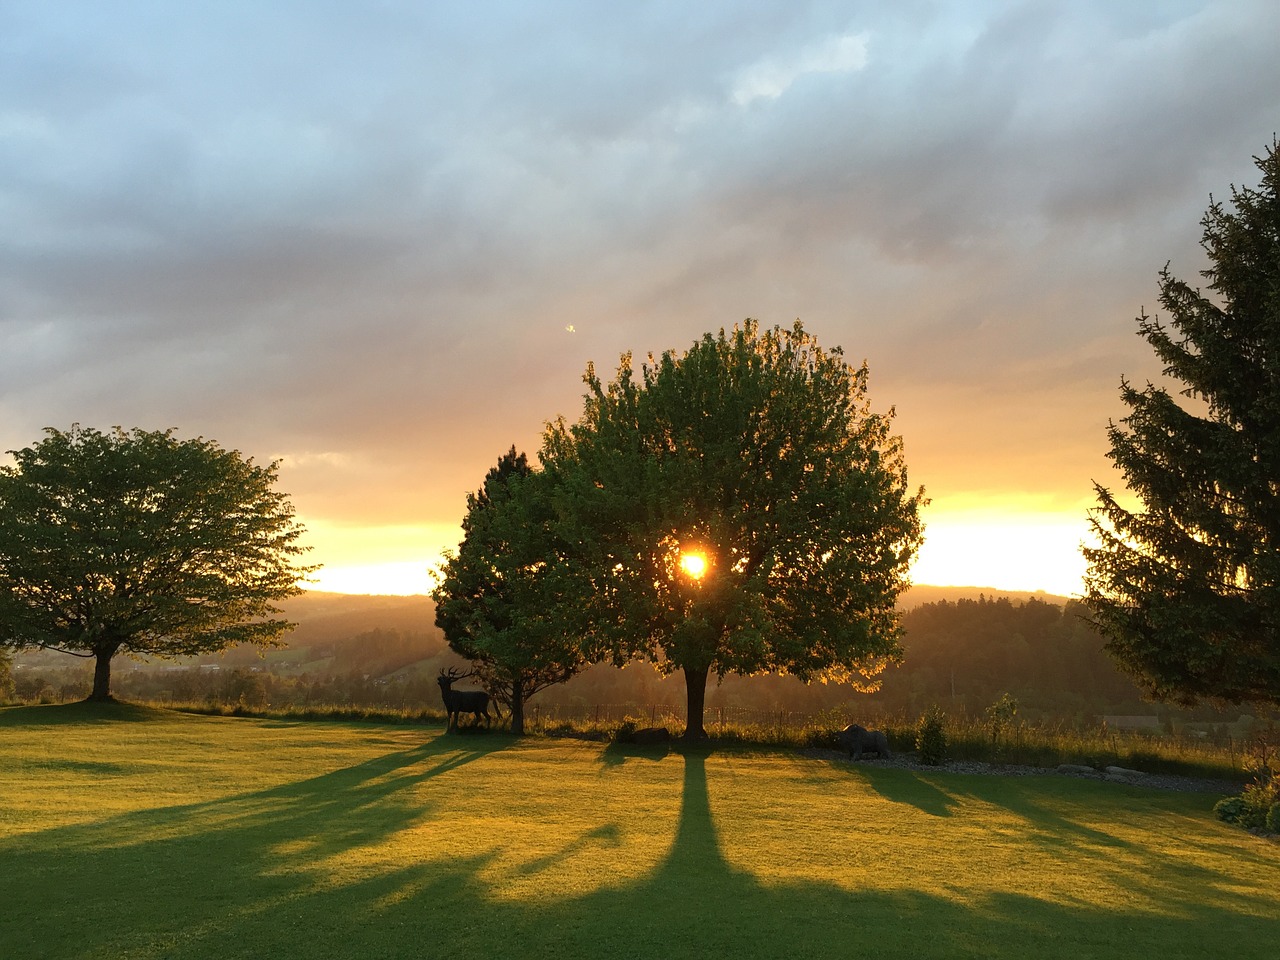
point(141, 833)
point(1043, 745)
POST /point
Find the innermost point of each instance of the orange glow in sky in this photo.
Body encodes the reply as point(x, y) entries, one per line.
point(1022, 550)
point(1010, 552)
point(386, 560)
point(984, 247)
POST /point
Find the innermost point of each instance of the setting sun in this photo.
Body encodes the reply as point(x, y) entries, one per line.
point(693, 564)
point(1013, 551)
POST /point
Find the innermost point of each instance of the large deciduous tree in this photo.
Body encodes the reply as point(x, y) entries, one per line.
point(142, 544)
point(1186, 587)
point(738, 508)
point(497, 598)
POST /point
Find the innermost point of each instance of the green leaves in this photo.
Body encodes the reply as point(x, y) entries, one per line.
point(142, 543)
point(760, 447)
point(499, 599)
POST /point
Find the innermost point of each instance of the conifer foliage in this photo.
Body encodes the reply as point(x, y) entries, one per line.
point(498, 597)
point(1186, 587)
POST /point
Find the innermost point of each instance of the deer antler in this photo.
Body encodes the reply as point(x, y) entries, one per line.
point(452, 674)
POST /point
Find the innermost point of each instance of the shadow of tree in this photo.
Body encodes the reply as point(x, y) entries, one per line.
point(266, 891)
point(615, 753)
point(216, 864)
point(905, 786)
point(79, 713)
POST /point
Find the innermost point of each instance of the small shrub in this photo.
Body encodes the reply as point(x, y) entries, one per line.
point(931, 737)
point(1255, 808)
point(1229, 810)
point(822, 737)
point(1259, 798)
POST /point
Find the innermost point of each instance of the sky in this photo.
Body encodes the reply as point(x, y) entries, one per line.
point(380, 242)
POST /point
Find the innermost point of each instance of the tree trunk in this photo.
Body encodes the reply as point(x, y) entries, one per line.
point(695, 683)
point(102, 675)
point(517, 708)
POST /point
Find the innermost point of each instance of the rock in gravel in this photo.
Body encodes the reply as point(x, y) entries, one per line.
point(1077, 770)
point(1121, 773)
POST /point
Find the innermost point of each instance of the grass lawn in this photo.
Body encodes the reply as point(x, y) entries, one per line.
point(129, 832)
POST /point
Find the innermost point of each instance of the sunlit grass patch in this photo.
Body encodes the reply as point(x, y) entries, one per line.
point(177, 836)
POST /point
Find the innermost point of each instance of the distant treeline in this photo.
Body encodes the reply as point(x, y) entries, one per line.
point(960, 654)
point(965, 654)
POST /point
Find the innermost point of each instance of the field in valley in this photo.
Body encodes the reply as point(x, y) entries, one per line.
point(131, 832)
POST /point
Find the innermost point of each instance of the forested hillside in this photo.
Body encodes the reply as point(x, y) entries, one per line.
point(962, 652)
point(968, 652)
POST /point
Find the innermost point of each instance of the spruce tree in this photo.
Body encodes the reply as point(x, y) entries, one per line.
point(1186, 587)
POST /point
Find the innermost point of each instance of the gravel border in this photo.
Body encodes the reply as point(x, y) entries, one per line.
point(1156, 781)
point(908, 761)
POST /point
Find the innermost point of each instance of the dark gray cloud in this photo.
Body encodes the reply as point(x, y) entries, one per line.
point(355, 237)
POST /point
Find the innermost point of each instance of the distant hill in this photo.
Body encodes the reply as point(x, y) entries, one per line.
point(920, 594)
point(361, 649)
point(329, 623)
point(325, 617)
point(315, 609)
point(336, 631)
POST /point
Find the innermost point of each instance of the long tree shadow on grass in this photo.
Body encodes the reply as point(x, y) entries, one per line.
point(699, 904)
point(905, 786)
point(696, 903)
point(1059, 818)
point(79, 713)
point(212, 866)
point(279, 888)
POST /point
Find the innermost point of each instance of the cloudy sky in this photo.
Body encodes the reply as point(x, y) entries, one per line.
point(381, 241)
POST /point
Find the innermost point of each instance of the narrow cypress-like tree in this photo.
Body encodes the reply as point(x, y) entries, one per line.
point(1186, 587)
point(497, 596)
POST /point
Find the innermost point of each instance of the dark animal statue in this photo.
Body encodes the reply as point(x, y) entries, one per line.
point(462, 701)
point(858, 740)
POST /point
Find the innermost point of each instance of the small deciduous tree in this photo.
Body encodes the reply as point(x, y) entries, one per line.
point(999, 716)
point(739, 509)
point(497, 598)
point(136, 542)
point(6, 676)
point(1187, 586)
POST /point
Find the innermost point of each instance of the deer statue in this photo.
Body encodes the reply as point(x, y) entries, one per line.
point(462, 701)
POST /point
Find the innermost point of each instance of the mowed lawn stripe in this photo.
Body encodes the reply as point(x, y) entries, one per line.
point(129, 832)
